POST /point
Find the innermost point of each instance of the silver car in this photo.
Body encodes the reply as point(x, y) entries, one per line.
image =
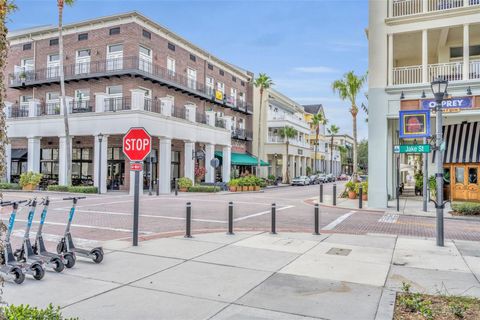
point(301, 181)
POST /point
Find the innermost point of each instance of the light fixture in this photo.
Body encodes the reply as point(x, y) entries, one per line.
point(402, 96)
point(423, 94)
point(100, 137)
point(469, 91)
point(439, 88)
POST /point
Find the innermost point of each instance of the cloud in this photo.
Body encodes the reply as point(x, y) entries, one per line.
point(344, 46)
point(317, 69)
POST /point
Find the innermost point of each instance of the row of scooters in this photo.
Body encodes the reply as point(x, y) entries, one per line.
point(34, 259)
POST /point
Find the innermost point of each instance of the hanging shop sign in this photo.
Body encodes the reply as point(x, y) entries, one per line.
point(218, 95)
point(414, 124)
point(449, 105)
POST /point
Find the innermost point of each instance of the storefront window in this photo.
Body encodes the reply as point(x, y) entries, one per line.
point(82, 167)
point(49, 165)
point(472, 175)
point(460, 175)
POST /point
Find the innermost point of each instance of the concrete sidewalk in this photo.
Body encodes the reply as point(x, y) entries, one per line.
point(255, 275)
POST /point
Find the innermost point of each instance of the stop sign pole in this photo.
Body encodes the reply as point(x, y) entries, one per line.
point(137, 144)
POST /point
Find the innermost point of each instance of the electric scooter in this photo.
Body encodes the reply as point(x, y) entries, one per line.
point(66, 243)
point(39, 248)
point(26, 254)
point(34, 268)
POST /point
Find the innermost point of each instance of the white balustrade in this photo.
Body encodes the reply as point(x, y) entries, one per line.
point(407, 75)
point(452, 71)
point(475, 69)
point(406, 7)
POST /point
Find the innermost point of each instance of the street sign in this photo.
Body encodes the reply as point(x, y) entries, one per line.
point(412, 148)
point(136, 166)
point(137, 144)
point(215, 162)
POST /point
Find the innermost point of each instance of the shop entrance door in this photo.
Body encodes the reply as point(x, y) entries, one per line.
point(460, 183)
point(472, 186)
point(116, 174)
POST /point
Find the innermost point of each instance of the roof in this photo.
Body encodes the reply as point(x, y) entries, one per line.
point(313, 108)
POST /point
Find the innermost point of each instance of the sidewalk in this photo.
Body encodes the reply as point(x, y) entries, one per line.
point(255, 275)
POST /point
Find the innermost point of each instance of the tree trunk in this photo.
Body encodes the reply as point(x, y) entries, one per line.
point(63, 100)
point(3, 59)
point(331, 155)
point(288, 167)
point(259, 140)
point(354, 118)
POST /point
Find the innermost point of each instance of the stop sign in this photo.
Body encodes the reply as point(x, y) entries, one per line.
point(137, 144)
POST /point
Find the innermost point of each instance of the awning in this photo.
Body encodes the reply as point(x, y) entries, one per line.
point(242, 159)
point(19, 153)
point(462, 143)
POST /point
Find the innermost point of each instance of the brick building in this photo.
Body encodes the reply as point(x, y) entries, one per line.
point(123, 71)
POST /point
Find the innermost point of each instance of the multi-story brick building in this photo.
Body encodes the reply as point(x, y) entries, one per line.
point(123, 71)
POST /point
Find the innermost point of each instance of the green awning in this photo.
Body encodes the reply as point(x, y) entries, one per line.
point(242, 159)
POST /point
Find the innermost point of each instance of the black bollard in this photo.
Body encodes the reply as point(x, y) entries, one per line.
point(274, 227)
point(360, 191)
point(158, 187)
point(321, 192)
point(176, 187)
point(188, 231)
point(317, 219)
point(230, 218)
point(334, 194)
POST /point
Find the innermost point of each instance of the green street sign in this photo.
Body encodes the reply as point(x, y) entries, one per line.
point(412, 148)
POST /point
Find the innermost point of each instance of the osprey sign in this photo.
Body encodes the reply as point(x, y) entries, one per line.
point(456, 103)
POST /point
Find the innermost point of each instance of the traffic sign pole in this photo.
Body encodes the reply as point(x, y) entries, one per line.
point(136, 199)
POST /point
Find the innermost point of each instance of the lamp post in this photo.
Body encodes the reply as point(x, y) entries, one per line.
point(100, 139)
point(439, 89)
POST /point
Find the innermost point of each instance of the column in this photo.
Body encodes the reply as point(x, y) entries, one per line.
point(466, 50)
point(424, 5)
point(138, 99)
point(68, 102)
point(100, 101)
point(100, 148)
point(190, 112)
point(425, 56)
point(33, 163)
point(166, 106)
point(390, 59)
point(292, 167)
point(33, 106)
point(165, 164)
point(209, 155)
point(63, 178)
point(228, 122)
point(304, 165)
point(226, 163)
point(8, 109)
point(8, 162)
point(390, 8)
point(189, 161)
point(284, 167)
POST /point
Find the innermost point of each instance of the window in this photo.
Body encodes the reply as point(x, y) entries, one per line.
point(193, 58)
point(115, 90)
point(210, 66)
point(27, 46)
point(233, 96)
point(472, 175)
point(221, 87)
point(146, 34)
point(171, 46)
point(457, 52)
point(53, 65)
point(459, 175)
point(82, 167)
point(82, 94)
point(54, 42)
point(171, 66)
point(53, 96)
point(82, 36)
point(192, 78)
point(234, 79)
point(83, 53)
point(210, 83)
point(115, 48)
point(53, 57)
point(49, 163)
point(145, 51)
point(114, 31)
point(221, 72)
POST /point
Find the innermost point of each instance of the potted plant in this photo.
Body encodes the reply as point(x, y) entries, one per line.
point(258, 183)
point(350, 186)
point(30, 180)
point(365, 190)
point(23, 76)
point(184, 183)
point(199, 173)
point(251, 183)
point(232, 185)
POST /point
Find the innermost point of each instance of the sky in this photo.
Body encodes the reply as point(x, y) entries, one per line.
point(302, 45)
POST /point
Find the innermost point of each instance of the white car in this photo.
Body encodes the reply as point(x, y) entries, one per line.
point(301, 181)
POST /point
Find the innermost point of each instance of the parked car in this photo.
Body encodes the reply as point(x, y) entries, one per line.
point(314, 179)
point(344, 177)
point(322, 178)
point(301, 181)
point(331, 177)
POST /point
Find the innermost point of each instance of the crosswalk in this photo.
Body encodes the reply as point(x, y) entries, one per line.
point(389, 218)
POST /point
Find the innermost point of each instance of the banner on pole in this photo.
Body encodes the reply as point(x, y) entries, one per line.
point(414, 124)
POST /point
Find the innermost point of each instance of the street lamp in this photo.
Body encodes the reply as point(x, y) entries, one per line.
point(100, 139)
point(439, 89)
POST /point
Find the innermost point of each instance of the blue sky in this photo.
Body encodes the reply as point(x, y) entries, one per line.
point(302, 45)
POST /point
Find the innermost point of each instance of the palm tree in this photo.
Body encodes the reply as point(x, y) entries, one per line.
point(348, 89)
point(63, 101)
point(317, 120)
point(263, 82)
point(332, 131)
point(287, 133)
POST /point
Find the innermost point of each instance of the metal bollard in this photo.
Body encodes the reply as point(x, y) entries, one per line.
point(176, 187)
point(188, 231)
point(321, 192)
point(230, 218)
point(274, 227)
point(158, 187)
point(317, 219)
point(360, 191)
point(334, 194)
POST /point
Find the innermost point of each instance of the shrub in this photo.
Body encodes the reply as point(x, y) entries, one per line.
point(466, 208)
point(75, 189)
point(10, 186)
point(271, 177)
point(350, 186)
point(365, 187)
point(233, 183)
point(57, 188)
point(30, 177)
point(203, 189)
point(184, 183)
point(27, 312)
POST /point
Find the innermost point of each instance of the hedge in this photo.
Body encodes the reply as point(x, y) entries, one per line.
point(10, 186)
point(466, 208)
point(74, 189)
point(27, 312)
point(203, 189)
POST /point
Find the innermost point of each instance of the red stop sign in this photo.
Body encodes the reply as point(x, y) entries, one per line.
point(137, 144)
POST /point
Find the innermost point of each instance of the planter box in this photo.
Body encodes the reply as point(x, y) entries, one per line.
point(244, 188)
point(183, 189)
point(29, 187)
point(233, 189)
point(257, 188)
point(352, 195)
point(364, 197)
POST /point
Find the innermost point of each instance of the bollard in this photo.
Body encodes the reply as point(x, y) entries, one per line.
point(158, 187)
point(188, 231)
point(274, 231)
point(317, 220)
point(321, 192)
point(176, 187)
point(360, 191)
point(230, 218)
point(334, 194)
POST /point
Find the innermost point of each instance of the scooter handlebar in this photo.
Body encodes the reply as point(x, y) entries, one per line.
point(9, 203)
point(74, 198)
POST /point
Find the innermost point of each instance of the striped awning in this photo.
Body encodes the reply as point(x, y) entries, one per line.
point(462, 143)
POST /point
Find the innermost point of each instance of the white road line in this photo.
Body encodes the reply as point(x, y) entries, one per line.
point(87, 226)
point(389, 218)
point(261, 213)
point(337, 221)
point(56, 238)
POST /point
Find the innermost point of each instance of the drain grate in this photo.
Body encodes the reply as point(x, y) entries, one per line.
point(339, 251)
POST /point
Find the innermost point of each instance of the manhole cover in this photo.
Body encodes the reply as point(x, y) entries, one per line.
point(339, 251)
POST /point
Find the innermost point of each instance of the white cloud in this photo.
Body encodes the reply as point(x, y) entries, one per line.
point(317, 69)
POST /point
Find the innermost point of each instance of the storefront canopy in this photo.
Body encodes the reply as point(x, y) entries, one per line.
point(242, 159)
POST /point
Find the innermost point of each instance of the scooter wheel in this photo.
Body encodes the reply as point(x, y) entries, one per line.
point(70, 260)
point(59, 265)
point(19, 276)
point(98, 256)
point(16, 254)
point(60, 247)
point(38, 272)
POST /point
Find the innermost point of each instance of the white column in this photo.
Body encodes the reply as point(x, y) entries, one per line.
point(62, 160)
point(210, 115)
point(226, 163)
point(33, 107)
point(292, 167)
point(424, 5)
point(8, 162)
point(103, 150)
point(164, 164)
point(100, 101)
point(390, 8)
point(425, 56)
point(284, 166)
point(166, 106)
point(189, 161)
point(304, 165)
point(390, 59)
point(138, 99)
point(228, 122)
point(8, 109)
point(209, 155)
point(190, 112)
point(33, 163)
point(466, 50)
point(68, 101)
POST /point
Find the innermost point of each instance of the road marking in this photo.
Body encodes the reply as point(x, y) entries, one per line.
point(261, 213)
point(56, 238)
point(87, 226)
point(337, 221)
point(389, 218)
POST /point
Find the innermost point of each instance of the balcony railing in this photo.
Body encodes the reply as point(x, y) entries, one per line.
point(452, 71)
point(242, 134)
point(81, 106)
point(410, 7)
point(18, 111)
point(449, 71)
point(220, 123)
point(117, 104)
point(48, 109)
point(407, 75)
point(406, 7)
point(279, 139)
point(289, 118)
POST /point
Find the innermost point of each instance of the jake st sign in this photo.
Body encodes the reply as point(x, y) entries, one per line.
point(412, 148)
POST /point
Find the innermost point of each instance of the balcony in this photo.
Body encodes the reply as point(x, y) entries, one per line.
point(294, 142)
point(452, 72)
point(291, 119)
point(133, 66)
point(117, 104)
point(401, 8)
point(242, 134)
